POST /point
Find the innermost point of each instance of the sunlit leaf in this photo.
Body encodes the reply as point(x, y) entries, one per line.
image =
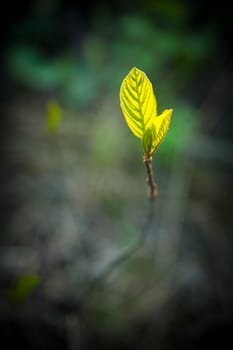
point(148, 140)
point(137, 101)
point(161, 125)
point(139, 107)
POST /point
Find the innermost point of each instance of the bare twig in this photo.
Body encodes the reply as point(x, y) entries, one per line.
point(152, 186)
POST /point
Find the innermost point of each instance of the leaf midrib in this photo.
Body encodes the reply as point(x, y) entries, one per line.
point(139, 105)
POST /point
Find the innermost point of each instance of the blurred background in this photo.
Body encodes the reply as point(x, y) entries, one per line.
point(86, 261)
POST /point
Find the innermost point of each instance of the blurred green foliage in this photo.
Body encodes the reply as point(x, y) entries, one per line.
point(34, 70)
point(24, 285)
point(53, 118)
point(171, 57)
point(106, 55)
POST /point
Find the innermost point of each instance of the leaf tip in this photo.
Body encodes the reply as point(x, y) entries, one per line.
point(135, 71)
point(167, 112)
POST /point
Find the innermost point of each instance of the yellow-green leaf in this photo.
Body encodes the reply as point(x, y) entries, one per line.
point(161, 125)
point(148, 140)
point(137, 101)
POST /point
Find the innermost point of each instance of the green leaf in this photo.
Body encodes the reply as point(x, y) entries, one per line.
point(161, 125)
point(148, 140)
point(137, 101)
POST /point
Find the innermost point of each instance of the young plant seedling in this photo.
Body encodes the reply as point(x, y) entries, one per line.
point(139, 107)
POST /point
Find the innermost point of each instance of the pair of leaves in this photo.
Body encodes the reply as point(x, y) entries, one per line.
point(139, 107)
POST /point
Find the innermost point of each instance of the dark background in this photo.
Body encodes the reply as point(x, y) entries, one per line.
point(86, 262)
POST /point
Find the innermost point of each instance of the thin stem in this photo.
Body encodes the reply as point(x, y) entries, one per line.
point(152, 186)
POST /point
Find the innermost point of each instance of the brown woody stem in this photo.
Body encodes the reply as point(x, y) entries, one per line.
point(152, 186)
